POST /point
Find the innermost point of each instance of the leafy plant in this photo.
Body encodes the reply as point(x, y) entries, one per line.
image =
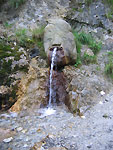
point(16, 3)
point(7, 25)
point(109, 65)
point(89, 59)
point(109, 15)
point(86, 39)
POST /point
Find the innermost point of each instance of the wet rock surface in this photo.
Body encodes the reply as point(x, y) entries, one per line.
point(61, 130)
point(59, 93)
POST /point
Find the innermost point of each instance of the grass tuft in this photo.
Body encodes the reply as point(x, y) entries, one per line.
point(109, 65)
point(86, 39)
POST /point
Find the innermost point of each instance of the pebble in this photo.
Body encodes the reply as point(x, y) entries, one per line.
point(8, 140)
point(25, 145)
point(83, 117)
point(102, 93)
point(19, 129)
point(100, 103)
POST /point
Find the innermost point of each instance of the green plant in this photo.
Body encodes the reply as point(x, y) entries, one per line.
point(109, 15)
point(86, 39)
point(109, 65)
point(16, 3)
point(38, 33)
point(78, 48)
point(7, 25)
point(110, 2)
point(88, 2)
point(95, 46)
point(6, 53)
point(37, 36)
point(21, 37)
point(87, 59)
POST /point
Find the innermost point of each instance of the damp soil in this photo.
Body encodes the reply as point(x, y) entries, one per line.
point(61, 129)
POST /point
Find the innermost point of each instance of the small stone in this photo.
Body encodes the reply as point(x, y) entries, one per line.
point(100, 103)
point(102, 93)
point(15, 43)
point(8, 140)
point(19, 129)
point(83, 117)
point(13, 114)
point(24, 131)
point(39, 130)
point(25, 145)
point(105, 116)
point(89, 146)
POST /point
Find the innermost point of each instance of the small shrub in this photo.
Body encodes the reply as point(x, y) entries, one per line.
point(109, 15)
point(86, 39)
point(38, 33)
point(109, 65)
point(95, 46)
point(21, 37)
point(89, 59)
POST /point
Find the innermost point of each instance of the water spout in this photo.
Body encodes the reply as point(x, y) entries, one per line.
point(51, 73)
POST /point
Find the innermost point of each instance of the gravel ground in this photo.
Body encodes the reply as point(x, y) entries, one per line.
point(92, 131)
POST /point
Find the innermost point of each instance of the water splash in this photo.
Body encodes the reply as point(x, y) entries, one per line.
point(51, 73)
point(44, 112)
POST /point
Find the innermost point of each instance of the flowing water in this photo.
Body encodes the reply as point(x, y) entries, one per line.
point(51, 73)
point(50, 110)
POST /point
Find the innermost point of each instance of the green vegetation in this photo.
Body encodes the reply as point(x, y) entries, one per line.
point(88, 2)
point(7, 54)
point(89, 59)
point(21, 37)
point(110, 2)
point(78, 47)
point(109, 65)
point(37, 36)
point(29, 41)
point(86, 39)
point(7, 25)
point(16, 3)
point(109, 15)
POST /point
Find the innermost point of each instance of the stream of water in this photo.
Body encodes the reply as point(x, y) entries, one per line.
point(51, 74)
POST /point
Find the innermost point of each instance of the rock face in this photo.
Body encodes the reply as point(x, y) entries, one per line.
point(32, 88)
point(84, 86)
point(58, 33)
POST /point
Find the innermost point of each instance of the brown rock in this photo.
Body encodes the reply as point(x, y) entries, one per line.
point(32, 88)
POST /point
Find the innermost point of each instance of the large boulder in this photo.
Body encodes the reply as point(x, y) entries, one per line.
point(58, 34)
